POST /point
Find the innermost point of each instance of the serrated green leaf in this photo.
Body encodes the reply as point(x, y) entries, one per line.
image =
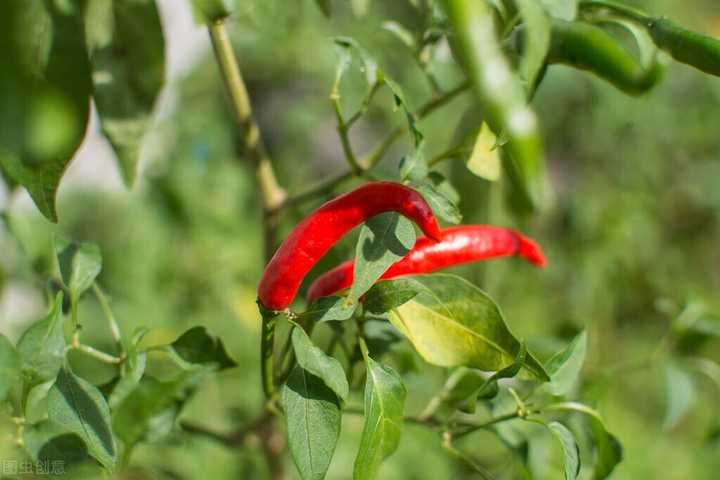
point(385, 296)
point(49, 442)
point(384, 239)
point(453, 323)
point(151, 410)
point(80, 408)
point(45, 66)
point(570, 449)
point(384, 405)
point(80, 264)
point(536, 41)
point(9, 367)
point(42, 346)
point(680, 394)
point(199, 346)
point(312, 415)
point(484, 161)
point(128, 64)
point(318, 363)
point(327, 309)
point(564, 367)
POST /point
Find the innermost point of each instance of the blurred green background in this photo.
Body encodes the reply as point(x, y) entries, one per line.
point(632, 236)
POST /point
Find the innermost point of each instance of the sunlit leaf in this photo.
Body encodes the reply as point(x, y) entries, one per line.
point(79, 407)
point(384, 239)
point(312, 414)
point(453, 323)
point(384, 404)
point(318, 363)
point(484, 161)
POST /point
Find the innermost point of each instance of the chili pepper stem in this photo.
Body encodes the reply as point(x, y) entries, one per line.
point(267, 345)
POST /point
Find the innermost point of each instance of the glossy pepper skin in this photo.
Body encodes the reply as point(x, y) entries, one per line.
point(320, 230)
point(587, 47)
point(457, 245)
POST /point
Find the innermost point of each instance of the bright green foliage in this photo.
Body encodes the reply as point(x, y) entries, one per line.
point(42, 346)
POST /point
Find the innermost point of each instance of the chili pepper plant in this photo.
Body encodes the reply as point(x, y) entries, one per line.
point(334, 332)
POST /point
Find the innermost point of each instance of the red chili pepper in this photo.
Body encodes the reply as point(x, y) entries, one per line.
point(318, 232)
point(457, 245)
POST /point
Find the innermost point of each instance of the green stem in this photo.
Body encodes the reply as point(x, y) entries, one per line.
point(622, 10)
point(112, 322)
point(448, 154)
point(267, 345)
point(343, 129)
point(74, 319)
point(97, 354)
point(489, 423)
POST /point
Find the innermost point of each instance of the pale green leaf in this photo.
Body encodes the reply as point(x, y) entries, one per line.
point(680, 394)
point(564, 367)
point(453, 323)
point(564, 9)
point(536, 41)
point(80, 264)
point(42, 346)
point(384, 405)
point(79, 407)
point(570, 449)
point(318, 363)
point(484, 161)
point(312, 415)
point(401, 33)
point(384, 239)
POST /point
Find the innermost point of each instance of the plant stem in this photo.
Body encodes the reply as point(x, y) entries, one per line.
point(622, 10)
point(449, 153)
point(343, 129)
point(112, 323)
point(74, 320)
point(489, 423)
point(97, 354)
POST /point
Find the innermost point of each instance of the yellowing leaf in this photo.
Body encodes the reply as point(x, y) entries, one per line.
point(484, 161)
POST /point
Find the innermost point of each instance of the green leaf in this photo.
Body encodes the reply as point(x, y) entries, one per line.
point(384, 404)
point(206, 11)
point(199, 346)
point(327, 309)
point(45, 66)
point(442, 205)
point(484, 161)
point(564, 9)
point(133, 370)
point(128, 73)
point(36, 402)
point(80, 264)
point(79, 407)
point(49, 442)
point(318, 363)
point(413, 166)
point(325, 7)
point(453, 323)
point(345, 47)
point(564, 367)
point(608, 450)
point(401, 33)
point(385, 296)
point(536, 41)
point(312, 415)
point(42, 346)
point(9, 367)
point(569, 447)
point(400, 101)
point(680, 394)
point(152, 408)
point(384, 239)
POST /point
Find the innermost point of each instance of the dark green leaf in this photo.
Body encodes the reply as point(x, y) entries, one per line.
point(199, 346)
point(80, 264)
point(384, 404)
point(42, 346)
point(80, 408)
point(49, 442)
point(384, 239)
point(325, 6)
point(312, 415)
point(45, 66)
point(129, 71)
point(564, 367)
point(151, 410)
point(318, 363)
point(385, 296)
point(328, 309)
point(453, 323)
point(9, 367)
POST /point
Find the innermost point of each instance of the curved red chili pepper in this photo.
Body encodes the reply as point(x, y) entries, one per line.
point(318, 232)
point(458, 245)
